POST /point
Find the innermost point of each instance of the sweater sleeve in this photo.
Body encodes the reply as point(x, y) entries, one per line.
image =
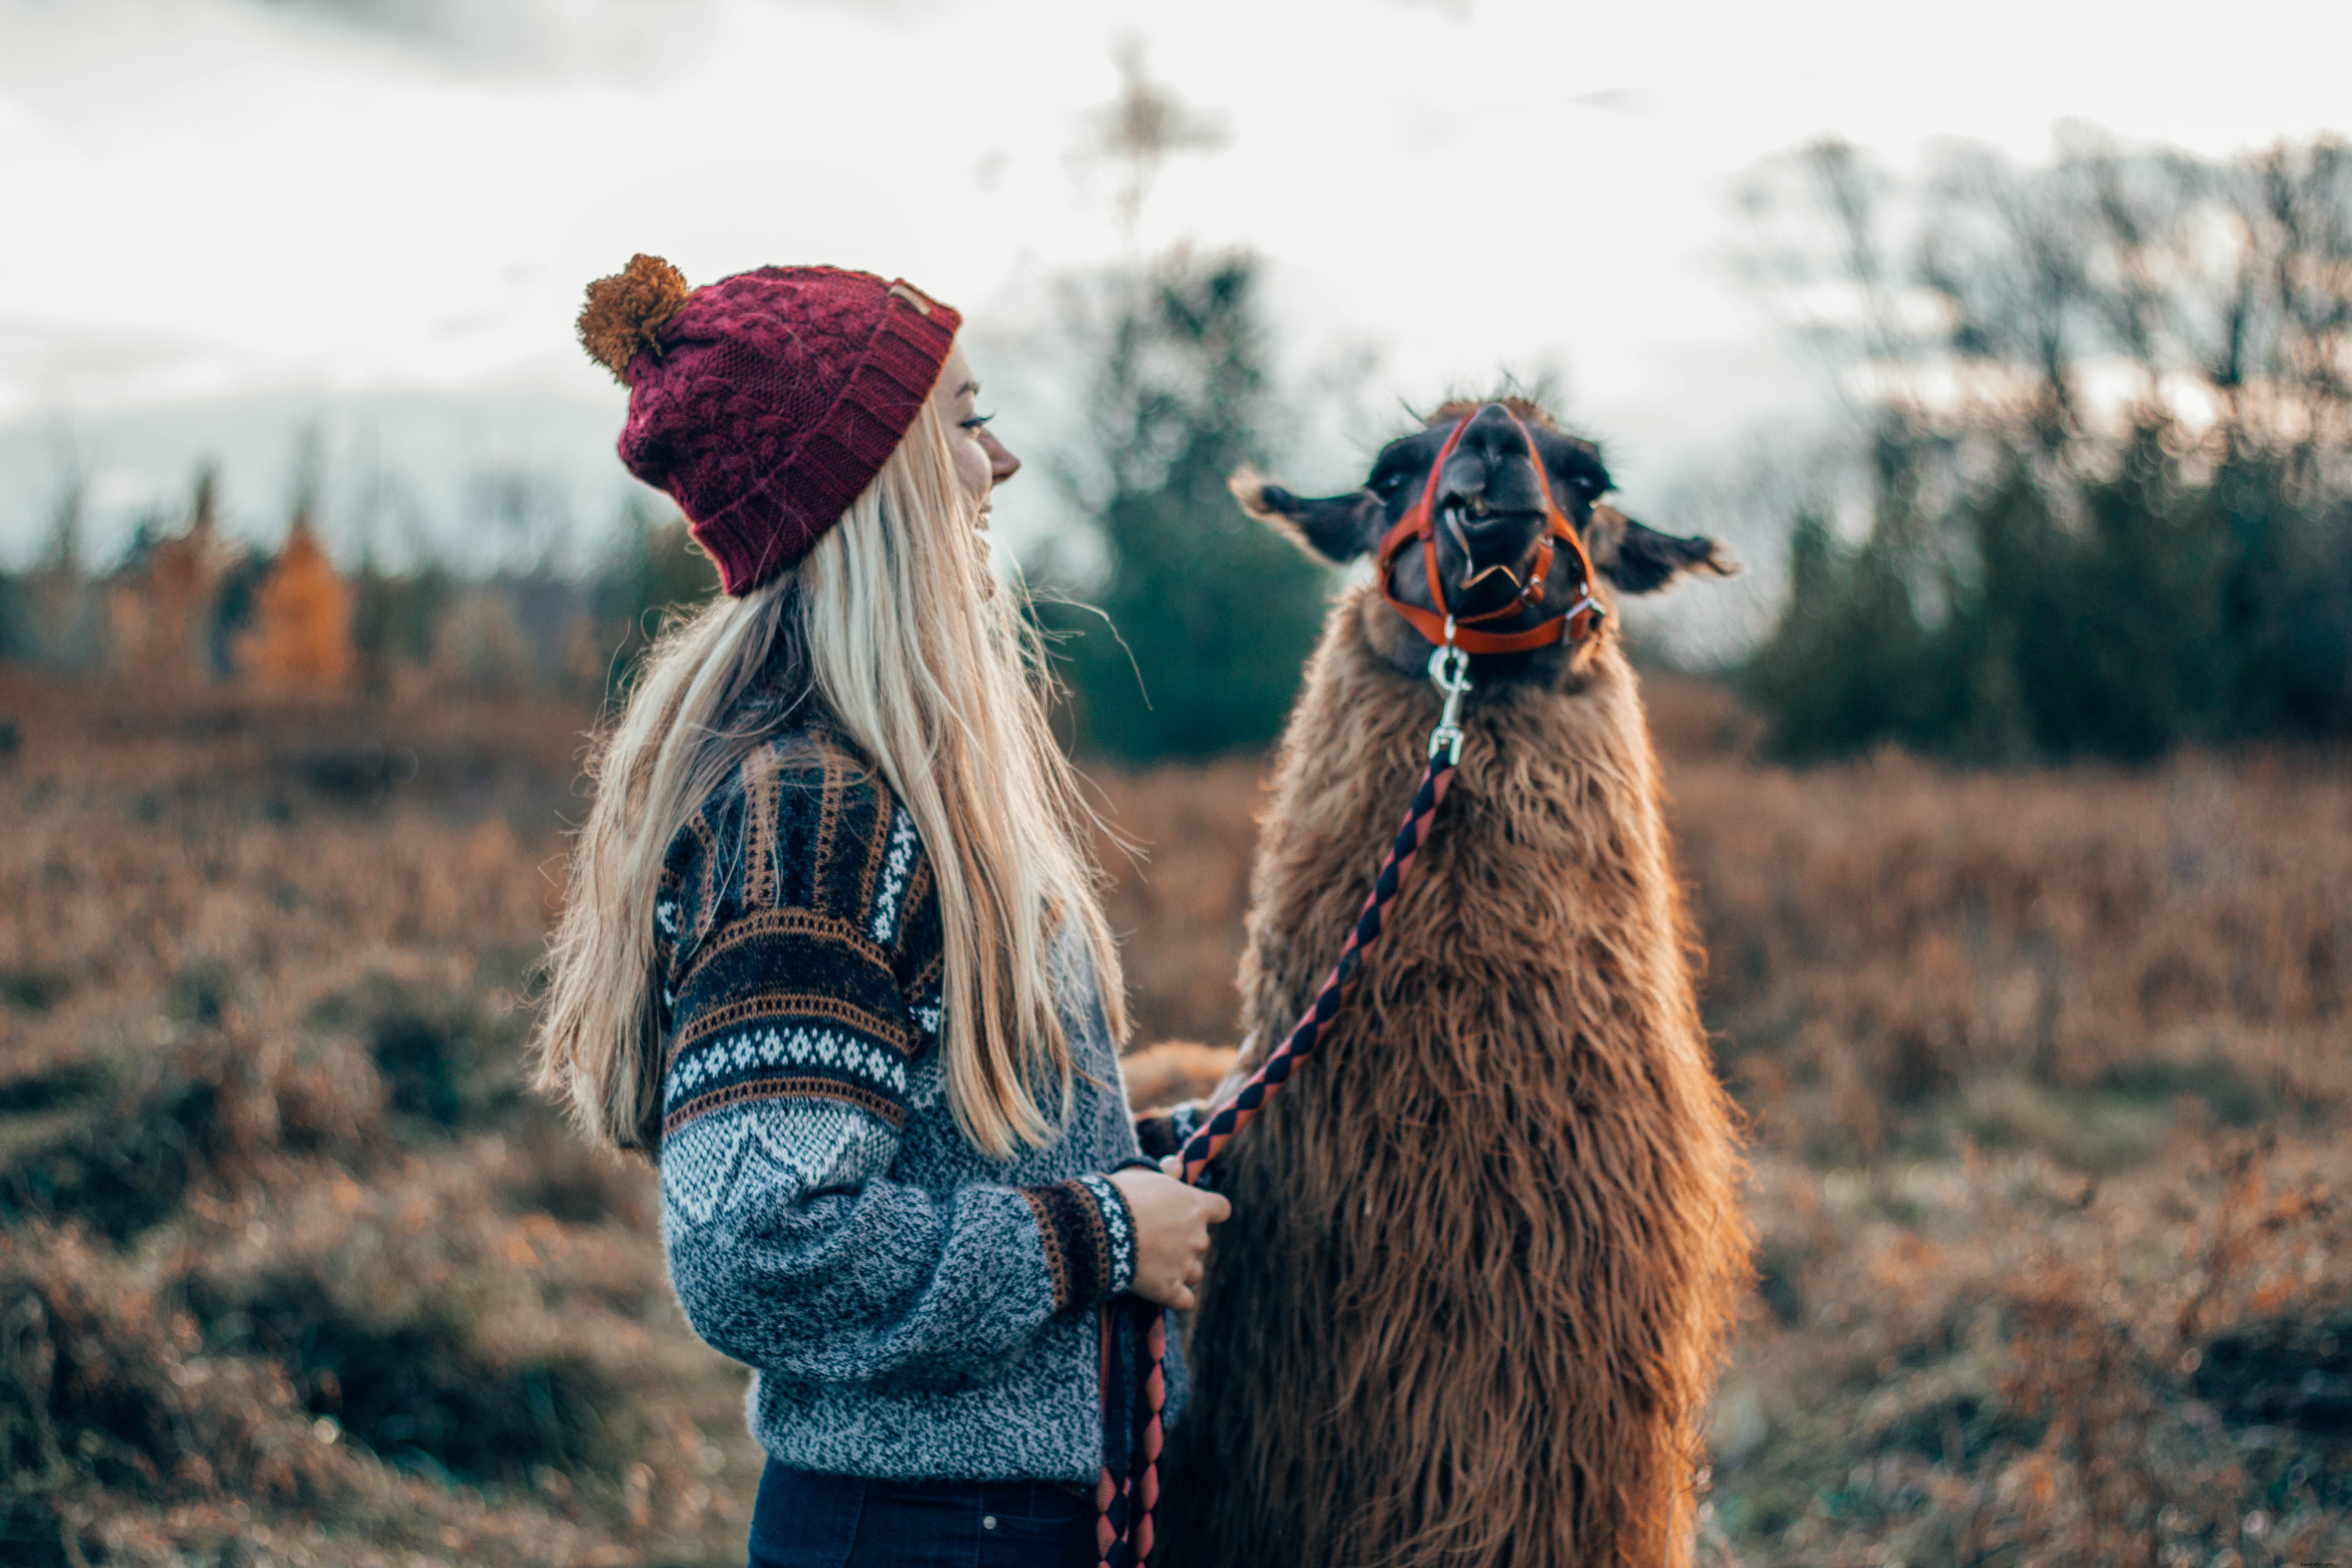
point(784, 1092)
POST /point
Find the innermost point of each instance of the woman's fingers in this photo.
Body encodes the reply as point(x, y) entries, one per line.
point(1171, 1233)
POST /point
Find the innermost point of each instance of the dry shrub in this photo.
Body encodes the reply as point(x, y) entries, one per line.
point(96, 1392)
point(126, 1437)
point(1996, 1359)
point(434, 1322)
point(1886, 934)
point(290, 1269)
point(206, 1115)
point(300, 640)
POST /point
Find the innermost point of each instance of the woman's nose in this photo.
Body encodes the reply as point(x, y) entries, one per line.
point(1001, 463)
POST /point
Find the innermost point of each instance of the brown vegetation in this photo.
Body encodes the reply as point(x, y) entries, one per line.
point(301, 643)
point(2045, 1069)
point(160, 609)
point(290, 1267)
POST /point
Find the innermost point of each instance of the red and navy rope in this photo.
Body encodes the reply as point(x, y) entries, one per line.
point(1117, 1510)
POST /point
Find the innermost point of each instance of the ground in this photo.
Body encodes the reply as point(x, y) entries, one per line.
point(2042, 1069)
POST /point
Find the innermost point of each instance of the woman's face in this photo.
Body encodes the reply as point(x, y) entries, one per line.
point(980, 460)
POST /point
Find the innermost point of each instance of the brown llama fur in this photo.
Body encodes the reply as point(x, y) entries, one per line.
point(1484, 1247)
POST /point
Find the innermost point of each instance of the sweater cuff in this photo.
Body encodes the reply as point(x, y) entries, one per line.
point(1089, 1238)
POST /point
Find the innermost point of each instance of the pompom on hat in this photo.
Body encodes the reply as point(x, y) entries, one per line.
point(765, 403)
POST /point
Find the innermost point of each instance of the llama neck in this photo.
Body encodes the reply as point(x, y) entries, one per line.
point(1552, 823)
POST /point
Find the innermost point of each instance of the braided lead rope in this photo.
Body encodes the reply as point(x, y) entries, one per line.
point(1208, 1140)
point(1114, 1525)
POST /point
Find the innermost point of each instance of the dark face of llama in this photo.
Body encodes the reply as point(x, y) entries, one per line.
point(1488, 508)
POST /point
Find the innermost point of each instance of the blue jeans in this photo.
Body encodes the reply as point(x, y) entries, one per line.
point(803, 1520)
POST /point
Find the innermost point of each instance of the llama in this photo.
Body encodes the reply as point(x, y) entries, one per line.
point(1484, 1247)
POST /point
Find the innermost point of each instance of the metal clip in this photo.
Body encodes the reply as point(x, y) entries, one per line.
point(1449, 667)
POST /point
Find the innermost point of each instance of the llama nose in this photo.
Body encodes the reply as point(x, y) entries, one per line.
point(1493, 432)
point(1470, 495)
point(1491, 448)
point(1464, 491)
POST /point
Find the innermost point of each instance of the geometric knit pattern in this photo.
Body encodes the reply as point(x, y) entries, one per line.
point(911, 1308)
point(1091, 1211)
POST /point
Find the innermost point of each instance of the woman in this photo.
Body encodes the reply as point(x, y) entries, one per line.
point(832, 950)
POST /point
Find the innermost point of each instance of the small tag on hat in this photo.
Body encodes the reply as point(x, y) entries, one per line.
point(912, 295)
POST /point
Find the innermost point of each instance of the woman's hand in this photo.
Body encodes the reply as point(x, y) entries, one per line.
point(1171, 1233)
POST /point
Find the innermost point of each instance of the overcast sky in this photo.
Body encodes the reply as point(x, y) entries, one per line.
point(220, 213)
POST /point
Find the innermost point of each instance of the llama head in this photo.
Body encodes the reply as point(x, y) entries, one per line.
point(1489, 512)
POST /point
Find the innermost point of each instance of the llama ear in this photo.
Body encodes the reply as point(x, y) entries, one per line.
point(1641, 560)
point(1336, 529)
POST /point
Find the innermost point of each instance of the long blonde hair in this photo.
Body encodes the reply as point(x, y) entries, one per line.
point(894, 628)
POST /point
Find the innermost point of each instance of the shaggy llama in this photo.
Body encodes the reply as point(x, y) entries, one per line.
point(1485, 1245)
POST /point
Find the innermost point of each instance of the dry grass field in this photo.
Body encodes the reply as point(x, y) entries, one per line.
point(2044, 1072)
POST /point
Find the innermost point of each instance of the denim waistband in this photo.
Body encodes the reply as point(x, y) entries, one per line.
point(805, 1519)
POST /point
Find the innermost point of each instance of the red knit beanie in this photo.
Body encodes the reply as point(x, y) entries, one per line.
point(764, 403)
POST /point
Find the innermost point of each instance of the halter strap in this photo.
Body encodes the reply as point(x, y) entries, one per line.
point(1579, 622)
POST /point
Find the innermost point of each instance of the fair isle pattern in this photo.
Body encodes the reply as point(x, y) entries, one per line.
point(726, 1068)
point(929, 1013)
point(749, 895)
point(894, 873)
point(927, 1086)
point(1076, 1220)
point(1118, 1225)
point(909, 1306)
point(747, 1149)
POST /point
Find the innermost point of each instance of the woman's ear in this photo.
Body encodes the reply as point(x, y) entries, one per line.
point(1641, 560)
point(1336, 529)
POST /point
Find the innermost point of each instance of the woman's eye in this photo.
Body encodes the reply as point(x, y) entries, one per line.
point(975, 422)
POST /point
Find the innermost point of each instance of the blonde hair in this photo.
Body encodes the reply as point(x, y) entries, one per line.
point(896, 628)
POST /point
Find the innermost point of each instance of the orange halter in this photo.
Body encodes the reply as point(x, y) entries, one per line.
point(1440, 627)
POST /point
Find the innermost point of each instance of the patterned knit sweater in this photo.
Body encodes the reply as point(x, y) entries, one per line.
point(910, 1307)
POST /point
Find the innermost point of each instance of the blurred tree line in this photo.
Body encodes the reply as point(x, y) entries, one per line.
point(185, 609)
point(1190, 631)
point(2100, 452)
point(1183, 633)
